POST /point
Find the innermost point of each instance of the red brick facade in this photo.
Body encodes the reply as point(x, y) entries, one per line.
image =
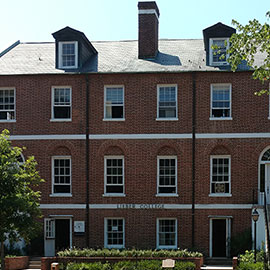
point(192, 139)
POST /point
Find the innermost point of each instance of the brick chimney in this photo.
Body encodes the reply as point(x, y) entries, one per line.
point(148, 29)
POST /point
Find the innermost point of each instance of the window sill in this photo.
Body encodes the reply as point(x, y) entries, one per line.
point(7, 121)
point(166, 119)
point(166, 247)
point(114, 119)
point(60, 120)
point(167, 195)
point(61, 195)
point(220, 195)
point(114, 195)
point(220, 118)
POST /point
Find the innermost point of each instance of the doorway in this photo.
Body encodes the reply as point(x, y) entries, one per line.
point(62, 234)
point(219, 236)
point(57, 235)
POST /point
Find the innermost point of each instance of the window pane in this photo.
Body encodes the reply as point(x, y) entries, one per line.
point(167, 102)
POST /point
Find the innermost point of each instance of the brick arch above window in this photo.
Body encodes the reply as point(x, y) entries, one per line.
point(167, 149)
point(112, 147)
point(60, 148)
point(220, 150)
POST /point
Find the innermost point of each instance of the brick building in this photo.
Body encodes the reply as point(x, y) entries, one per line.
point(149, 143)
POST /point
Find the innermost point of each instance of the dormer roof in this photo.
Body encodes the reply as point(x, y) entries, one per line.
point(215, 31)
point(82, 47)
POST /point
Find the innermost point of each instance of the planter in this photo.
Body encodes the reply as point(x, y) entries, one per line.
point(13, 263)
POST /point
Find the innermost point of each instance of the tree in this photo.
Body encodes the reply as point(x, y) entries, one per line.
point(19, 203)
point(252, 40)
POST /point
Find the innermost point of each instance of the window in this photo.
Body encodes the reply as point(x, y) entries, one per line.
point(114, 175)
point(7, 104)
point(68, 54)
point(49, 228)
point(166, 233)
point(61, 175)
point(114, 102)
point(167, 175)
point(167, 102)
point(218, 55)
point(220, 101)
point(61, 100)
point(220, 175)
point(114, 233)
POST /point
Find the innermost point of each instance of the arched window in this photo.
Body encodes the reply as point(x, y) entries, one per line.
point(266, 155)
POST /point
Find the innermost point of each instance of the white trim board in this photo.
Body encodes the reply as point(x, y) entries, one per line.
point(140, 136)
point(148, 11)
point(146, 206)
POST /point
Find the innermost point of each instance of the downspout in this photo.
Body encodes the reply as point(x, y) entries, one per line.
point(87, 160)
point(193, 157)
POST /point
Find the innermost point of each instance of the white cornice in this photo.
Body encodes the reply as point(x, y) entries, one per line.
point(150, 136)
point(148, 11)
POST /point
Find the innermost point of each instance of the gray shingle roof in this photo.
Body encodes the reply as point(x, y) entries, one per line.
point(113, 57)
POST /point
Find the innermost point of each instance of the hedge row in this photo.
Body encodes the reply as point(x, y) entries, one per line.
point(127, 253)
point(128, 265)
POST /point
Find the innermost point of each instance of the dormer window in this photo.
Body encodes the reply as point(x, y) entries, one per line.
point(68, 54)
point(218, 55)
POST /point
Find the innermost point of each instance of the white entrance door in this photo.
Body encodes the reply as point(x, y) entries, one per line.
point(49, 237)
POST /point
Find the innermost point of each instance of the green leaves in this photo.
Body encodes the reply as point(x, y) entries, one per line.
point(251, 45)
point(20, 203)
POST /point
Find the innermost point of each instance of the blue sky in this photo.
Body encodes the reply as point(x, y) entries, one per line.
point(36, 20)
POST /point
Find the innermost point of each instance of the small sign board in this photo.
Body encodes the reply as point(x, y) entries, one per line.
point(79, 226)
point(168, 263)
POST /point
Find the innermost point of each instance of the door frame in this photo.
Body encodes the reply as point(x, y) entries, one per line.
point(228, 233)
point(54, 217)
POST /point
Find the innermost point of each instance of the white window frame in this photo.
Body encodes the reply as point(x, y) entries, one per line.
point(227, 85)
point(53, 119)
point(211, 174)
point(211, 51)
point(105, 105)
point(157, 235)
point(10, 120)
point(53, 194)
point(106, 245)
point(60, 54)
point(176, 103)
point(49, 228)
point(158, 182)
point(105, 176)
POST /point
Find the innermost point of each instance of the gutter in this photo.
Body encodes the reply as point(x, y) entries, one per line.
point(193, 158)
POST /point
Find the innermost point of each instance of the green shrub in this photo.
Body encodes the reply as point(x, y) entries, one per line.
point(88, 266)
point(250, 266)
point(248, 257)
point(127, 253)
point(129, 265)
